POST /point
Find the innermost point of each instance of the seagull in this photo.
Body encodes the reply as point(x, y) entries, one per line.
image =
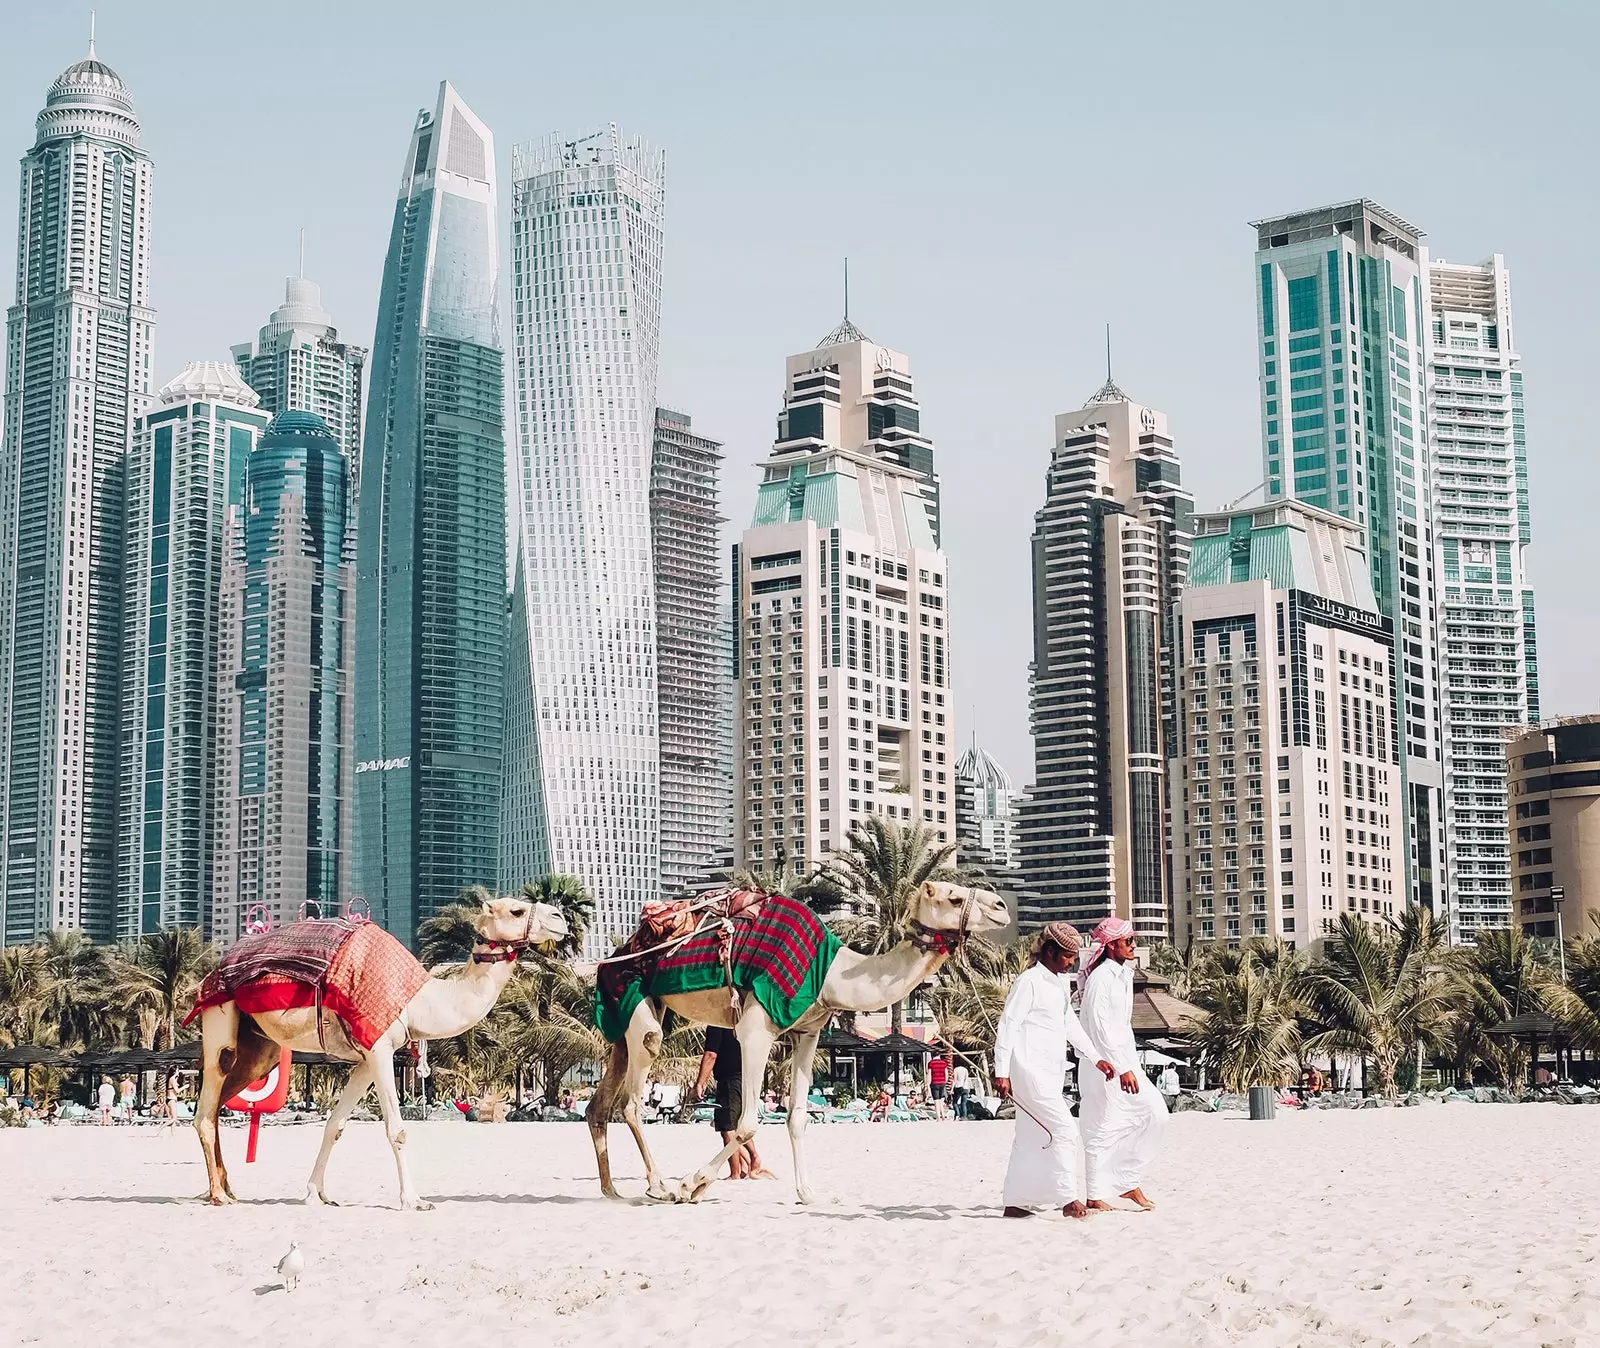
point(291, 1266)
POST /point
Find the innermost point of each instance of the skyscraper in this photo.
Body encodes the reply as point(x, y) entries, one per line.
point(431, 560)
point(185, 479)
point(299, 364)
point(78, 350)
point(284, 683)
point(1286, 778)
point(582, 787)
point(1342, 316)
point(1488, 656)
point(1110, 548)
point(986, 807)
point(692, 672)
point(842, 637)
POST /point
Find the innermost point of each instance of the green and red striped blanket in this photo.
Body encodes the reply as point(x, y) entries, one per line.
point(780, 956)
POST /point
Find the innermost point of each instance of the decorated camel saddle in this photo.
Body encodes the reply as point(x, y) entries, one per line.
point(353, 971)
point(766, 946)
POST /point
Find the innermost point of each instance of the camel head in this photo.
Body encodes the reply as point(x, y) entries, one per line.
point(508, 924)
point(943, 915)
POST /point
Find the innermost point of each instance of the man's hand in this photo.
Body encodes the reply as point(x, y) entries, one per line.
point(1130, 1082)
point(1002, 1087)
point(1107, 1068)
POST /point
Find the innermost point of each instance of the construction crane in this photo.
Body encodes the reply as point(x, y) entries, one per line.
point(1240, 500)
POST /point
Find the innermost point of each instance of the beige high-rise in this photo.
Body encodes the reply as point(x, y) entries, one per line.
point(1554, 780)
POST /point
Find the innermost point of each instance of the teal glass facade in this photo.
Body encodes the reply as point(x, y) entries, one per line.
point(431, 562)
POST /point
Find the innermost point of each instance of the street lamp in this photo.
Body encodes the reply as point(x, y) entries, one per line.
point(1558, 894)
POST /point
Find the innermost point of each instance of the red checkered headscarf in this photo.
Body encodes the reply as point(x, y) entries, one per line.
point(1107, 930)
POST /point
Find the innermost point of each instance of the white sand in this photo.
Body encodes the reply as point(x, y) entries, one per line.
point(1452, 1224)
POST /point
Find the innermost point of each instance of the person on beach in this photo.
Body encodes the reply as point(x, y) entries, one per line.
point(960, 1088)
point(108, 1099)
point(1030, 1064)
point(724, 1062)
point(1122, 1123)
point(938, 1079)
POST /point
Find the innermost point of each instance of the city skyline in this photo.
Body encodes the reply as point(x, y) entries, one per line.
point(1044, 305)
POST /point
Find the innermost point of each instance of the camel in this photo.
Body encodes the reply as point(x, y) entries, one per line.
point(943, 915)
point(238, 1048)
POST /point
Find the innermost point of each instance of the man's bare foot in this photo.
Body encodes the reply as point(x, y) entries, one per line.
point(1017, 1212)
point(1075, 1209)
point(1137, 1196)
point(1099, 1205)
point(761, 1172)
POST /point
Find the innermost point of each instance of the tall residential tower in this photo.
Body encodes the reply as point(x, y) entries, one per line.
point(1342, 321)
point(299, 364)
point(1110, 548)
point(1488, 656)
point(842, 637)
point(431, 560)
point(582, 789)
point(185, 482)
point(78, 351)
point(692, 670)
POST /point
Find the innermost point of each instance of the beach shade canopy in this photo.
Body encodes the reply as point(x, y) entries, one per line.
point(1154, 1058)
point(899, 1043)
point(1531, 1025)
point(842, 1041)
point(33, 1055)
point(1156, 1012)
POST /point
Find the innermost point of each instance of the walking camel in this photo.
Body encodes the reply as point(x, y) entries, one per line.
point(239, 1047)
point(943, 915)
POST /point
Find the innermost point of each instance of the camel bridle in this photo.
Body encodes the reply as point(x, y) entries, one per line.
point(485, 951)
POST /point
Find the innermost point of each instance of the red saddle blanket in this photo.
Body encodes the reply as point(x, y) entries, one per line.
point(363, 975)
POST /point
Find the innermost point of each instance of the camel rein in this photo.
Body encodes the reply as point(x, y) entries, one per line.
point(504, 952)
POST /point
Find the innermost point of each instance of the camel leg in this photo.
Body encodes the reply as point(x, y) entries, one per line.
point(380, 1062)
point(598, 1114)
point(355, 1090)
point(756, 1034)
point(219, 1035)
point(644, 1046)
point(805, 1050)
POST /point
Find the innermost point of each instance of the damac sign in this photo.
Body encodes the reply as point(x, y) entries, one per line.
point(384, 764)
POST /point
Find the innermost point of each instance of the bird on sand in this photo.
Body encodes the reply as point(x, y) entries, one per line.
point(291, 1266)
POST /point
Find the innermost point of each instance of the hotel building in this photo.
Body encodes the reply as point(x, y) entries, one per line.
point(1287, 777)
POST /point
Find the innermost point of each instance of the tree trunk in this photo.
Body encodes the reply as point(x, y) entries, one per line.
point(897, 1017)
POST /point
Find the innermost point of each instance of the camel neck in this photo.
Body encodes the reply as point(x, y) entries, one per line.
point(450, 1005)
point(871, 982)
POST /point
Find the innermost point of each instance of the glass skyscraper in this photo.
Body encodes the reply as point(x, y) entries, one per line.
point(78, 350)
point(431, 583)
point(283, 683)
point(1342, 314)
point(582, 785)
point(185, 480)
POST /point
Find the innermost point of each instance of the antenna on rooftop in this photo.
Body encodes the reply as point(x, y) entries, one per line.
point(91, 35)
point(302, 252)
point(847, 288)
point(1108, 353)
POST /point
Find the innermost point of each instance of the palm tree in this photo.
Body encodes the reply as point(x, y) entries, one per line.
point(1251, 994)
point(156, 977)
point(76, 1005)
point(547, 1018)
point(25, 991)
point(868, 887)
point(1576, 1003)
point(1502, 975)
point(567, 893)
point(1381, 991)
point(448, 935)
point(1183, 969)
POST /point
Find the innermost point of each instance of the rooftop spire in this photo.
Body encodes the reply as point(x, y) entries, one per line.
point(91, 35)
point(847, 331)
point(302, 252)
point(1108, 392)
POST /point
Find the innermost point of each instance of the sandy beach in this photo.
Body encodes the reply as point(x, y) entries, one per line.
point(1438, 1225)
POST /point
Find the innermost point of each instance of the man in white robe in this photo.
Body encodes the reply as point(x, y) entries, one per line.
point(1030, 1063)
point(1123, 1114)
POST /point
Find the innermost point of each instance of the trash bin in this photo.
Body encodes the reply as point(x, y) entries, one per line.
point(1263, 1103)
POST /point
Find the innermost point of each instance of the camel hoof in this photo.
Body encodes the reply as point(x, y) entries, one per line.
point(805, 1196)
point(417, 1205)
point(315, 1198)
point(220, 1200)
point(658, 1192)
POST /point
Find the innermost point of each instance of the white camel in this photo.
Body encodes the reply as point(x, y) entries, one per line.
point(238, 1048)
point(942, 916)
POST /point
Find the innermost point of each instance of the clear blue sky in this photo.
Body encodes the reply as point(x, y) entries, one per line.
point(1005, 179)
